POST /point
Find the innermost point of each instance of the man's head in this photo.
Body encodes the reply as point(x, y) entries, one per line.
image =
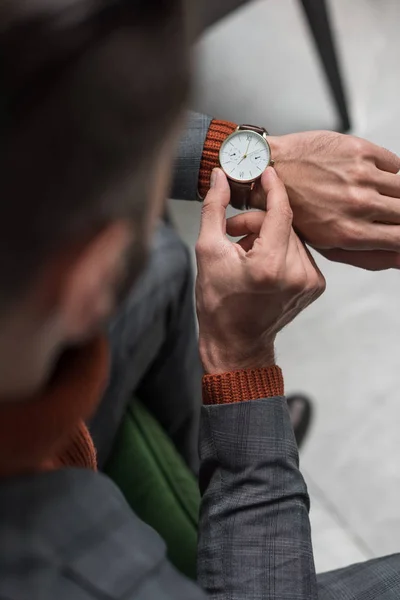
point(92, 93)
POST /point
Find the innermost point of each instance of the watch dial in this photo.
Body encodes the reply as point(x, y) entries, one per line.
point(244, 155)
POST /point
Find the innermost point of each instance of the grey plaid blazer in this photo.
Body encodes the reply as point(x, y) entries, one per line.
point(69, 535)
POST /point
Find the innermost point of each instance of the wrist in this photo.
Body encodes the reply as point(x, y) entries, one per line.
point(277, 143)
point(217, 359)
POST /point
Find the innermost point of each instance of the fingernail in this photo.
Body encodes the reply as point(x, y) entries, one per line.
point(214, 177)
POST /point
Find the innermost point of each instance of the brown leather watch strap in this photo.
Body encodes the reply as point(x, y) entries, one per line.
point(240, 194)
point(255, 128)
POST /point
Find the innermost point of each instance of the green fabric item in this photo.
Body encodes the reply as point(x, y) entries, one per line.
point(157, 485)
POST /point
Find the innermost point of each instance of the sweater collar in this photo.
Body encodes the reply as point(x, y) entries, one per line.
point(47, 430)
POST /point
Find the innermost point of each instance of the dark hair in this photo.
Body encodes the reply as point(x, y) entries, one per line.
point(88, 91)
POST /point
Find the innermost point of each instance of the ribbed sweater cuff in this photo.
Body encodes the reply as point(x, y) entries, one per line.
point(237, 386)
point(217, 133)
point(79, 452)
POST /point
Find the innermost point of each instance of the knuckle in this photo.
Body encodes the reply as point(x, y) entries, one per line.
point(359, 199)
point(298, 282)
point(356, 196)
point(286, 213)
point(350, 235)
point(372, 204)
point(359, 147)
point(212, 209)
point(322, 285)
point(264, 274)
point(360, 172)
point(318, 284)
point(202, 248)
point(207, 209)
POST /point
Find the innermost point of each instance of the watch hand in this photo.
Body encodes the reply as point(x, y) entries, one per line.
point(236, 148)
point(254, 151)
point(245, 155)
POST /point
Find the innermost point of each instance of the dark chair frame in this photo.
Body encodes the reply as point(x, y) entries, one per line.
point(317, 14)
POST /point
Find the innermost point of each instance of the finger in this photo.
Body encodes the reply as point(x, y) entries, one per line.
point(386, 160)
point(314, 270)
point(276, 227)
point(245, 223)
point(388, 184)
point(311, 260)
point(307, 260)
point(246, 243)
point(375, 260)
point(382, 237)
point(315, 277)
point(213, 216)
point(386, 210)
point(294, 260)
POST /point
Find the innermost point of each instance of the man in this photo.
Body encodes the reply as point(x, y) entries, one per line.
point(80, 136)
point(344, 193)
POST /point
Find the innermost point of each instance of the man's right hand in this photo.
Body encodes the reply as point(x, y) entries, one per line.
point(248, 291)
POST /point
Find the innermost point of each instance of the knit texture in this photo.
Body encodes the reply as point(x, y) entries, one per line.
point(79, 452)
point(217, 133)
point(47, 431)
point(238, 386)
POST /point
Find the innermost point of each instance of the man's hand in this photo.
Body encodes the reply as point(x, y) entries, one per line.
point(248, 291)
point(344, 193)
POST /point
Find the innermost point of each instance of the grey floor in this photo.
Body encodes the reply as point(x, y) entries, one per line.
point(260, 67)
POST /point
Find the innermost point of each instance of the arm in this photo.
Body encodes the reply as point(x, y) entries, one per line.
point(187, 162)
point(198, 155)
point(344, 191)
point(255, 539)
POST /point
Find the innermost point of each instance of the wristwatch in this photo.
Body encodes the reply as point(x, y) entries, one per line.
point(244, 155)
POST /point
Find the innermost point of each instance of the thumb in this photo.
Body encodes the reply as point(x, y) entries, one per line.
point(213, 216)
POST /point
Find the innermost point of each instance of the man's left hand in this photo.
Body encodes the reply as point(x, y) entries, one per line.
point(345, 196)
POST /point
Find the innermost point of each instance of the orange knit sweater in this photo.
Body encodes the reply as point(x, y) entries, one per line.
point(48, 431)
point(217, 132)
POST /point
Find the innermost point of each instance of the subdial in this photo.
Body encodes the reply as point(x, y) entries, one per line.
point(233, 154)
point(259, 159)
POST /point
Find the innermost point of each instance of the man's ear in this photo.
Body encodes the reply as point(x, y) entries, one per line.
point(89, 290)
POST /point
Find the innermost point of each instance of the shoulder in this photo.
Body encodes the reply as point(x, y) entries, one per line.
point(70, 534)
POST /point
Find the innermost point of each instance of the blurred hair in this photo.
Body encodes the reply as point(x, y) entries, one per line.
point(89, 91)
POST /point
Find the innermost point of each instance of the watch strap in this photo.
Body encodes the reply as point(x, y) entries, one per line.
point(255, 128)
point(240, 194)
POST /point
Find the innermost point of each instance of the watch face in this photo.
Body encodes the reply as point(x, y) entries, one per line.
point(244, 155)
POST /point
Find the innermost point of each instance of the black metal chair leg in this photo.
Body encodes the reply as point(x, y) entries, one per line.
point(318, 18)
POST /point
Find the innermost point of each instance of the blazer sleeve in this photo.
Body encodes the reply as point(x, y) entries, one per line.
point(187, 163)
point(254, 535)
